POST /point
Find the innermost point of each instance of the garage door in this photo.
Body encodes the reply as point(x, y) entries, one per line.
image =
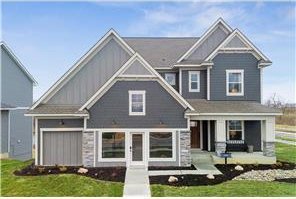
point(62, 148)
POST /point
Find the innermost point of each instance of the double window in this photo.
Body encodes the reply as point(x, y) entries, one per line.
point(137, 102)
point(170, 78)
point(234, 82)
point(161, 144)
point(113, 145)
point(194, 81)
point(235, 130)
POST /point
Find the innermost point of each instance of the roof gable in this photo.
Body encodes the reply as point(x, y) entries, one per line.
point(111, 36)
point(136, 69)
point(136, 58)
point(236, 42)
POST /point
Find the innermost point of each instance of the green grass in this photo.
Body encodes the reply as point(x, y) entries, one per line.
point(284, 152)
point(53, 185)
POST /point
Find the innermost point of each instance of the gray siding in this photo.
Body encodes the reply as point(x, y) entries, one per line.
point(114, 107)
point(62, 148)
point(16, 87)
point(245, 61)
point(236, 43)
point(253, 134)
point(208, 45)
point(20, 135)
point(136, 68)
point(202, 94)
point(92, 76)
point(177, 79)
point(4, 131)
point(55, 123)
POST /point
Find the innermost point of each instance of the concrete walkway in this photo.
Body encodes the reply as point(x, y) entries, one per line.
point(136, 183)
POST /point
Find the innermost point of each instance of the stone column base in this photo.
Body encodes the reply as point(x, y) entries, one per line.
point(88, 149)
point(220, 147)
point(185, 153)
point(269, 149)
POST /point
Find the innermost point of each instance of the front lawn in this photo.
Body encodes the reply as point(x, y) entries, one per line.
point(53, 185)
point(237, 188)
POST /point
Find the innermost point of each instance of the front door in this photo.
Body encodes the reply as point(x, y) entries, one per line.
point(137, 149)
point(195, 135)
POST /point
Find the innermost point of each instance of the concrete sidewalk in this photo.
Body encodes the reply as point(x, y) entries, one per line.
point(136, 183)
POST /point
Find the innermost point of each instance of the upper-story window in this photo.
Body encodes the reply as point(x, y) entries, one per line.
point(137, 102)
point(170, 78)
point(194, 81)
point(235, 130)
point(234, 82)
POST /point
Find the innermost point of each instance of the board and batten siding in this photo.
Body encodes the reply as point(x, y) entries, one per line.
point(233, 61)
point(112, 109)
point(4, 131)
point(202, 94)
point(92, 76)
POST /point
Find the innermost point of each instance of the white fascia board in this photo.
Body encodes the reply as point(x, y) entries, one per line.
point(54, 87)
point(138, 57)
point(204, 36)
point(232, 114)
point(19, 63)
point(55, 115)
point(236, 32)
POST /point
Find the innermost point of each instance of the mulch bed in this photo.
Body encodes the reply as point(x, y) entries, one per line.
point(114, 174)
point(228, 173)
point(287, 180)
point(152, 168)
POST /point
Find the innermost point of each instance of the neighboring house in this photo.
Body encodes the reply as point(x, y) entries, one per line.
point(152, 101)
point(16, 98)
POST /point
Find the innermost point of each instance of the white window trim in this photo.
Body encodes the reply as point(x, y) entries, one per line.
point(130, 102)
point(227, 82)
point(170, 74)
point(198, 81)
point(100, 149)
point(173, 158)
point(243, 130)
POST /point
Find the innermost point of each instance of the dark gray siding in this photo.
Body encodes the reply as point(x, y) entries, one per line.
point(56, 123)
point(4, 131)
point(212, 135)
point(177, 79)
point(202, 94)
point(245, 61)
point(253, 134)
point(112, 110)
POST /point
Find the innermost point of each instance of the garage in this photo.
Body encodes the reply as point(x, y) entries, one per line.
point(61, 148)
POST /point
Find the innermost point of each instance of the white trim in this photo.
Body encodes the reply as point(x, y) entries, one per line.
point(208, 84)
point(166, 74)
point(132, 163)
point(36, 141)
point(201, 134)
point(193, 65)
point(136, 92)
point(180, 81)
point(9, 133)
point(138, 57)
point(173, 158)
point(261, 85)
point(61, 82)
point(162, 68)
point(205, 36)
point(209, 135)
point(179, 146)
point(19, 63)
point(95, 147)
point(232, 114)
point(191, 90)
point(14, 108)
point(56, 115)
point(242, 83)
point(242, 130)
point(236, 32)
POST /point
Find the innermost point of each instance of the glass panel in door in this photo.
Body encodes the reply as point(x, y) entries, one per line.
point(137, 147)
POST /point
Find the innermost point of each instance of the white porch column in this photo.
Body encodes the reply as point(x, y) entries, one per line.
point(220, 136)
point(268, 136)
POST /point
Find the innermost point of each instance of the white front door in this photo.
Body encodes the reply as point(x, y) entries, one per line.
point(136, 149)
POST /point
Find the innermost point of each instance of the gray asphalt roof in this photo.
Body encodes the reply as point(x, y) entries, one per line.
point(161, 51)
point(57, 109)
point(204, 106)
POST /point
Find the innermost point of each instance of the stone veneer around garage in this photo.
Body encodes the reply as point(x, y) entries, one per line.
point(88, 149)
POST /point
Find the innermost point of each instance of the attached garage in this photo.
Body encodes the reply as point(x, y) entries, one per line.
point(61, 147)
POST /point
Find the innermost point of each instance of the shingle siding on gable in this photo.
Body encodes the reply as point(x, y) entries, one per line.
point(202, 94)
point(92, 76)
point(112, 110)
point(245, 61)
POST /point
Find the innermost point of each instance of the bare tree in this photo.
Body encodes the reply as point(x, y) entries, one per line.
point(275, 101)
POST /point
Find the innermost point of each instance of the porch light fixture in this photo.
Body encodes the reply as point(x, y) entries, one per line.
point(62, 122)
point(114, 122)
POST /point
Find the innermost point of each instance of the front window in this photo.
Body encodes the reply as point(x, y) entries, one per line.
point(170, 78)
point(161, 144)
point(235, 79)
point(194, 81)
point(235, 130)
point(113, 145)
point(137, 102)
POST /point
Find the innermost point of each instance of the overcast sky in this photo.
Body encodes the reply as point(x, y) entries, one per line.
point(49, 37)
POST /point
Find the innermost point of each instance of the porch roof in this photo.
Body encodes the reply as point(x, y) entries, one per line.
point(57, 110)
point(202, 106)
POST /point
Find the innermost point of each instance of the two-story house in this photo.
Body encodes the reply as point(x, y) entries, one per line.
point(154, 101)
point(16, 98)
